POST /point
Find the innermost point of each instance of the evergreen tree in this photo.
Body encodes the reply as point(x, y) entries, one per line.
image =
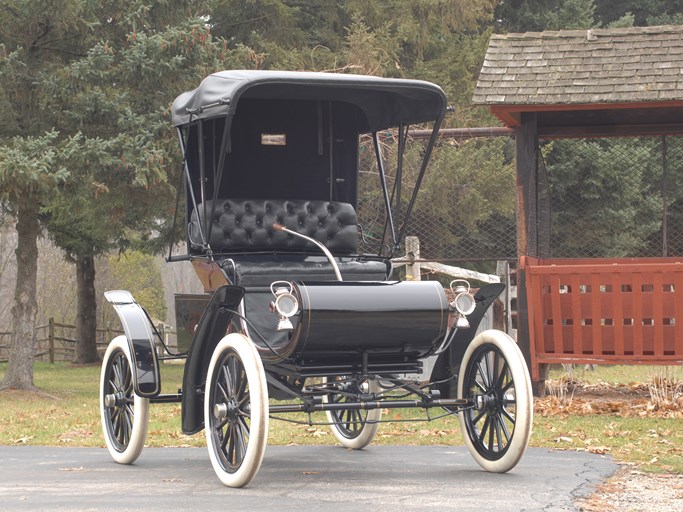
point(539, 15)
point(87, 148)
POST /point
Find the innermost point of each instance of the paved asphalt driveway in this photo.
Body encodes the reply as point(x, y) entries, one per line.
point(296, 478)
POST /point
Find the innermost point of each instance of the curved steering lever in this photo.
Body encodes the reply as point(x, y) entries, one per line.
point(280, 227)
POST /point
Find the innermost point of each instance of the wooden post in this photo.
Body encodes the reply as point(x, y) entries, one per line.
point(526, 139)
point(413, 269)
point(503, 271)
point(162, 333)
point(51, 339)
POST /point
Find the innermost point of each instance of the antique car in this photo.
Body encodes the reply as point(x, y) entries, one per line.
point(299, 320)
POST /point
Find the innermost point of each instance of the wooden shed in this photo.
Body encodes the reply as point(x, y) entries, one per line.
point(577, 84)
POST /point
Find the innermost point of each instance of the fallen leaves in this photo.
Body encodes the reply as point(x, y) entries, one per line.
point(564, 439)
point(316, 432)
point(626, 408)
point(77, 433)
point(600, 450)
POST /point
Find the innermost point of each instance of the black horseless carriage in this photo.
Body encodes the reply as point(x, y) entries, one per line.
point(297, 321)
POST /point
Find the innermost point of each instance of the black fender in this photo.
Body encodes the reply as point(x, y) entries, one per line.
point(448, 363)
point(140, 335)
point(210, 330)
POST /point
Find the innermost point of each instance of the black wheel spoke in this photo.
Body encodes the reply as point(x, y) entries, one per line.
point(503, 375)
point(484, 377)
point(489, 369)
point(492, 419)
point(508, 385)
point(477, 384)
point(505, 430)
point(507, 414)
point(227, 381)
point(479, 416)
point(484, 429)
point(497, 422)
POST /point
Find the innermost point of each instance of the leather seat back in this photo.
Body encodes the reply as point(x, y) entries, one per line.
point(242, 225)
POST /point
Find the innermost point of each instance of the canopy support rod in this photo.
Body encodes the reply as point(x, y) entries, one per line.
point(402, 131)
point(171, 238)
point(385, 191)
point(331, 149)
point(423, 169)
point(188, 179)
point(202, 177)
point(218, 171)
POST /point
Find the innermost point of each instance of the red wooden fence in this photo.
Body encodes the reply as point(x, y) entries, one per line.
point(604, 311)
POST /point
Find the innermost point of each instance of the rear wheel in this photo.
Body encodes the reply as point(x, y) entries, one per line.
point(236, 410)
point(124, 414)
point(494, 378)
point(353, 428)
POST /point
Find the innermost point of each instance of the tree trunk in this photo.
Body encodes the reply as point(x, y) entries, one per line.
point(19, 373)
point(86, 317)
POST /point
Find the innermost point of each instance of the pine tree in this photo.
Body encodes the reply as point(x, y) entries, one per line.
point(86, 149)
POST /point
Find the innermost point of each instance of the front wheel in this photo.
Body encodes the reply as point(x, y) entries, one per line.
point(124, 414)
point(495, 380)
point(236, 410)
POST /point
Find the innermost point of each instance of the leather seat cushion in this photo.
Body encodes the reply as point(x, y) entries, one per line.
point(262, 270)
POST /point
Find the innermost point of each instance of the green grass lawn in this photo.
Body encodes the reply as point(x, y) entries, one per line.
point(66, 413)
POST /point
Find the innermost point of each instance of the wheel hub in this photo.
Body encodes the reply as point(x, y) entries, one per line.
point(228, 410)
point(117, 399)
point(488, 401)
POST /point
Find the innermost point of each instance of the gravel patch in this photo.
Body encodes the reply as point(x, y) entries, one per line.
point(630, 490)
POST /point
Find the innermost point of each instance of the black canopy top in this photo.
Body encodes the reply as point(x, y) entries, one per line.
point(386, 102)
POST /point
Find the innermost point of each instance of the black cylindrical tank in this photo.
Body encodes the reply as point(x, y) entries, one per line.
point(392, 318)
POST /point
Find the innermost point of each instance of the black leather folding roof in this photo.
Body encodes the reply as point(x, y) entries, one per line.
point(385, 102)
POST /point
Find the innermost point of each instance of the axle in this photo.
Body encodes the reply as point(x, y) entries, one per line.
point(310, 407)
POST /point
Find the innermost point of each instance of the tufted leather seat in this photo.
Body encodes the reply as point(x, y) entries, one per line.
point(247, 225)
point(253, 254)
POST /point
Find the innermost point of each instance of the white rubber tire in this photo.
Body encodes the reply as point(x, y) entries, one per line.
point(489, 349)
point(235, 360)
point(124, 425)
point(361, 439)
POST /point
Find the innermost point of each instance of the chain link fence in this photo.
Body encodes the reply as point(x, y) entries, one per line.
point(465, 209)
point(610, 197)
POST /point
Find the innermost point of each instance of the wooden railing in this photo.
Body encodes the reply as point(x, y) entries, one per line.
point(57, 342)
point(606, 311)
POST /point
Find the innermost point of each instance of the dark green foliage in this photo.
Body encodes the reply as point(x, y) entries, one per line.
point(605, 200)
point(539, 15)
point(644, 12)
point(87, 149)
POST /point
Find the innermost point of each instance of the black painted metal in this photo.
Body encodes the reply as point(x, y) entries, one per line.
point(369, 405)
point(167, 399)
point(333, 368)
point(376, 320)
point(211, 329)
point(140, 335)
point(448, 363)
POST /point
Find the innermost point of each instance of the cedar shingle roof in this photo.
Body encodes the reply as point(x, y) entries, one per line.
point(571, 67)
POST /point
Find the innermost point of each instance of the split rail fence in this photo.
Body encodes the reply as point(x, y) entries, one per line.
point(57, 342)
